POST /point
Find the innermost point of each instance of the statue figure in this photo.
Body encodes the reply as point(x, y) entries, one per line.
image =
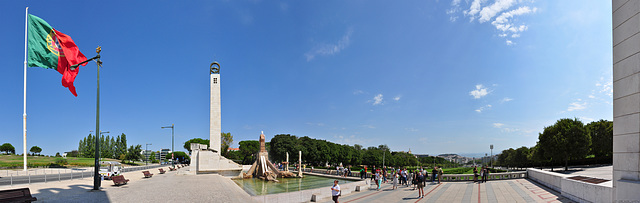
point(262, 143)
point(213, 69)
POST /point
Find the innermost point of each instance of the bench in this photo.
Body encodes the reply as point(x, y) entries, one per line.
point(147, 174)
point(119, 180)
point(172, 169)
point(161, 171)
point(17, 195)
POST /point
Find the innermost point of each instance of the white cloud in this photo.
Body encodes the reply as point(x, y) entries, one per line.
point(411, 129)
point(607, 87)
point(377, 100)
point(397, 98)
point(498, 125)
point(330, 49)
point(481, 109)
point(455, 2)
point(473, 10)
point(369, 126)
point(498, 11)
point(479, 92)
point(489, 12)
point(509, 42)
point(575, 106)
point(506, 99)
point(316, 124)
point(357, 92)
point(587, 119)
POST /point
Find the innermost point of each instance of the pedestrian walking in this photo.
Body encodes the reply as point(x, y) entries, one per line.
point(434, 173)
point(420, 184)
point(486, 174)
point(379, 180)
point(362, 172)
point(439, 174)
point(481, 174)
point(475, 174)
point(374, 176)
point(384, 174)
point(395, 180)
point(335, 191)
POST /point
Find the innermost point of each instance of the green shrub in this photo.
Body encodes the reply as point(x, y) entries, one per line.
point(61, 161)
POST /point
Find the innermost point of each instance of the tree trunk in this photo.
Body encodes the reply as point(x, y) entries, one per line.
point(566, 165)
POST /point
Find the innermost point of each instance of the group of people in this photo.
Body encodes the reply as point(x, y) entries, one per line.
point(418, 178)
point(343, 171)
point(483, 173)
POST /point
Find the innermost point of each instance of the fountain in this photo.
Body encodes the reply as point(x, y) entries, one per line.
point(262, 168)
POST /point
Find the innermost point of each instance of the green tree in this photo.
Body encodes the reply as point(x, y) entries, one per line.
point(134, 153)
point(565, 140)
point(86, 147)
point(521, 157)
point(153, 157)
point(601, 133)
point(248, 150)
point(58, 154)
point(7, 148)
point(179, 156)
point(226, 141)
point(187, 144)
point(121, 145)
point(35, 150)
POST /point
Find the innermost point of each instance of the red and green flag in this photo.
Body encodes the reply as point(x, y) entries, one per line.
point(52, 49)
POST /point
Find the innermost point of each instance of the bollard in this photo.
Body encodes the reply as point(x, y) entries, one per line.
point(71, 173)
point(12, 180)
point(45, 176)
point(58, 175)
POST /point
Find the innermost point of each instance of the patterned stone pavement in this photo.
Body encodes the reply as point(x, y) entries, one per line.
point(515, 190)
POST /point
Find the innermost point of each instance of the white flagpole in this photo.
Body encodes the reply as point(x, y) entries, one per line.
point(24, 114)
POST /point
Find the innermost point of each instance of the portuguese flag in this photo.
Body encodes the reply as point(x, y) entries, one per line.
point(51, 49)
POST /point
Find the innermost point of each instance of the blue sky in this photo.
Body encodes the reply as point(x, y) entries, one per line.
point(431, 76)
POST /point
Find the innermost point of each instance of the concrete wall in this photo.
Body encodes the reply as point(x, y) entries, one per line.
point(626, 99)
point(575, 190)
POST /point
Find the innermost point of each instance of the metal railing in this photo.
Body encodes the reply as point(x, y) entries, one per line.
point(445, 177)
point(10, 177)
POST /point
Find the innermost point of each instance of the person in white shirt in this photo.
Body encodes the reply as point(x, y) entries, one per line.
point(335, 191)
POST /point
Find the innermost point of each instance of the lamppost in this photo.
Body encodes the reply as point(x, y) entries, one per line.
point(491, 157)
point(172, 164)
point(146, 154)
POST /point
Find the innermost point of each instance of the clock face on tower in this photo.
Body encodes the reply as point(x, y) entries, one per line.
point(213, 69)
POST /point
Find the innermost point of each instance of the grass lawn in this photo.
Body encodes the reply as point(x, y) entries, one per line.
point(35, 161)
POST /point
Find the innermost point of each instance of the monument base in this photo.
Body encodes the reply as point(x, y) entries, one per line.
point(627, 190)
point(206, 161)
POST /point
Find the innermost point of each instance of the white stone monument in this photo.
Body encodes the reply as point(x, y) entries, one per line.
point(626, 100)
point(209, 160)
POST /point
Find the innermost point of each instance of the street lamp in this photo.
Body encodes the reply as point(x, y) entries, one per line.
point(172, 164)
point(491, 157)
point(146, 153)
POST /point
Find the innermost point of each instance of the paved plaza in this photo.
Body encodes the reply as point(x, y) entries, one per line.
point(175, 186)
point(514, 190)
point(168, 187)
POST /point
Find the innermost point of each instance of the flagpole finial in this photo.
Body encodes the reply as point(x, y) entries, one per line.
point(98, 50)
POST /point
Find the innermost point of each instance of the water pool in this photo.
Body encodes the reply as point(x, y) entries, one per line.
point(255, 186)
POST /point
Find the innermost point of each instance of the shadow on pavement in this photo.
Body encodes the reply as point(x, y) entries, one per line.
point(76, 193)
